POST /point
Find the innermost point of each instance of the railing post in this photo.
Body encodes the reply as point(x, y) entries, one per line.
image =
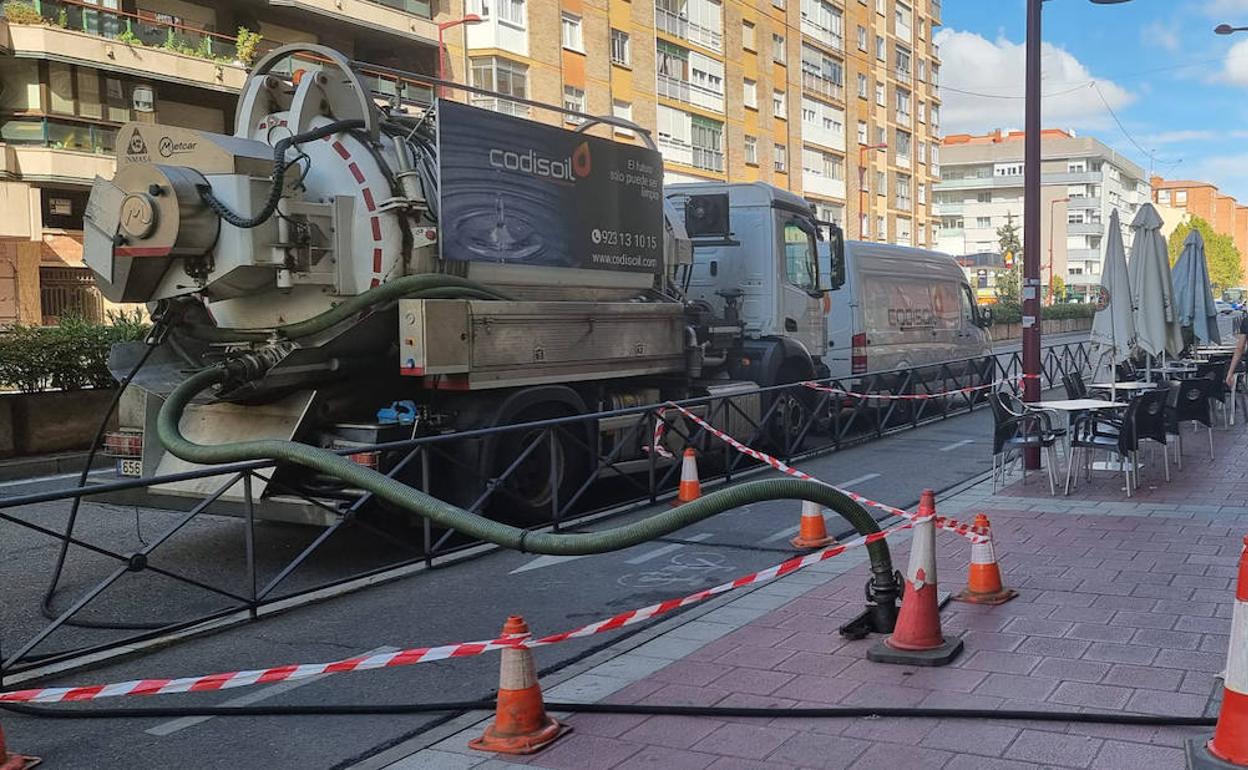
point(250, 536)
point(554, 477)
point(426, 525)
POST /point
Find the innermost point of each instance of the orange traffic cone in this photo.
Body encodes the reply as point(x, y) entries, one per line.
point(690, 487)
point(983, 580)
point(14, 761)
point(916, 639)
point(521, 725)
point(814, 530)
point(1229, 747)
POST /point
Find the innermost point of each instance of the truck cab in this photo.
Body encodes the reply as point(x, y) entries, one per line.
point(760, 253)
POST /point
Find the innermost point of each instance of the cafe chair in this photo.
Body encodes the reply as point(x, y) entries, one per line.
point(1085, 439)
point(1192, 403)
point(1016, 429)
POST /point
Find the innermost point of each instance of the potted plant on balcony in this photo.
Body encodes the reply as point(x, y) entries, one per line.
point(246, 46)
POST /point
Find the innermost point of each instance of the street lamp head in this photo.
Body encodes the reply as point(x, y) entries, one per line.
point(1109, 2)
point(1223, 29)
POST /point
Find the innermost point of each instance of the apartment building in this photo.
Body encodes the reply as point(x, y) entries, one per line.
point(1082, 182)
point(1203, 199)
point(784, 91)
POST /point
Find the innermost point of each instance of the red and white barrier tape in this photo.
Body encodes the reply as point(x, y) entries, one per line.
point(656, 441)
point(969, 531)
point(903, 396)
point(233, 679)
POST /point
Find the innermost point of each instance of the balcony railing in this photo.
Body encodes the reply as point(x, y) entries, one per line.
point(904, 204)
point(690, 93)
point(59, 135)
point(132, 29)
point(505, 106)
point(680, 26)
point(822, 35)
point(415, 7)
point(822, 86)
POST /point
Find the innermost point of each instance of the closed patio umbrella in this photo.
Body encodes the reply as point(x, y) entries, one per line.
point(1193, 296)
point(1113, 328)
point(1156, 318)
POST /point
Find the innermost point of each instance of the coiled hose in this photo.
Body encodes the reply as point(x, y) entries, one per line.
point(424, 285)
point(452, 517)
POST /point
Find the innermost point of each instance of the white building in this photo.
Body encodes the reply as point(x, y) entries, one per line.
point(1083, 180)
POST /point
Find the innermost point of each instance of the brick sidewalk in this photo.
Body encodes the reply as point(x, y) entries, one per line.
point(1124, 606)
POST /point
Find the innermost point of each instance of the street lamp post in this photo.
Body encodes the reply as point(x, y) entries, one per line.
point(1052, 204)
point(1031, 212)
point(443, 26)
point(862, 185)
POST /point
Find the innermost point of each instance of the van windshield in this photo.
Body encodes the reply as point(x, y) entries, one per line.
point(800, 267)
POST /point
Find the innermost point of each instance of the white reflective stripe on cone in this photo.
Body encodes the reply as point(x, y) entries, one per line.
point(1237, 653)
point(517, 670)
point(982, 553)
point(922, 555)
point(812, 510)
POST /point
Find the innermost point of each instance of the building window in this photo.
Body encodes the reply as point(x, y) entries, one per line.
point(747, 36)
point(749, 90)
point(1180, 197)
point(822, 74)
point(864, 87)
point(494, 73)
point(881, 135)
point(923, 152)
point(1076, 167)
point(573, 101)
point(903, 62)
point(921, 70)
point(619, 48)
point(902, 188)
point(922, 193)
point(512, 12)
point(862, 133)
point(572, 33)
point(708, 144)
point(881, 183)
point(778, 3)
point(823, 21)
point(881, 228)
point(935, 113)
point(903, 103)
point(778, 106)
point(782, 156)
point(879, 48)
point(922, 110)
point(903, 144)
point(983, 197)
point(862, 38)
point(777, 49)
point(864, 226)
point(751, 150)
point(983, 223)
point(879, 95)
point(624, 111)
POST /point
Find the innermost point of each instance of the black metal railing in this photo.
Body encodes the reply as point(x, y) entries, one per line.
point(617, 468)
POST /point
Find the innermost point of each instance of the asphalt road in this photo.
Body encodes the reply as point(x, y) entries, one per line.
point(462, 602)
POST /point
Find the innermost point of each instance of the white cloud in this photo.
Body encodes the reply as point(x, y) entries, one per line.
point(1228, 172)
point(1184, 136)
point(1235, 65)
point(994, 74)
point(1161, 35)
point(1220, 8)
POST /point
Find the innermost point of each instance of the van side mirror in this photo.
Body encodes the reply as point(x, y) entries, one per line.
point(836, 248)
point(985, 317)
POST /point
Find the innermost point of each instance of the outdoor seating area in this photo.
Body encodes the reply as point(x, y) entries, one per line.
point(1164, 378)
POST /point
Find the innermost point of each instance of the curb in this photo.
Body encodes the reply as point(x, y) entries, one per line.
point(22, 468)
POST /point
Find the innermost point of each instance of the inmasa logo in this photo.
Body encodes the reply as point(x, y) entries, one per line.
point(568, 169)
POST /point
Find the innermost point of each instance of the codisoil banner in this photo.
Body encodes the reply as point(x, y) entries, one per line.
point(521, 192)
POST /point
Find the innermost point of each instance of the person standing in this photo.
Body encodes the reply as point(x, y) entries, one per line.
point(1241, 342)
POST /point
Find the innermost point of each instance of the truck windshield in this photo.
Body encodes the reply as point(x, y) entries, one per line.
point(800, 267)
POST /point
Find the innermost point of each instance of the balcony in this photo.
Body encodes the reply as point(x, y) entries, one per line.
point(53, 151)
point(822, 35)
point(681, 27)
point(679, 151)
point(396, 17)
point(904, 204)
point(812, 83)
point(1085, 228)
point(1083, 255)
point(690, 93)
point(902, 75)
point(1083, 203)
point(505, 106)
point(121, 42)
point(818, 184)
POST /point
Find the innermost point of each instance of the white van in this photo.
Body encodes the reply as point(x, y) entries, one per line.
point(898, 308)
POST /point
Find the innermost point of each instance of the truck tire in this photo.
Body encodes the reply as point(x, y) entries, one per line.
point(794, 407)
point(527, 496)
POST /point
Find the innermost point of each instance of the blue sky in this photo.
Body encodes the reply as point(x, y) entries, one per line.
point(1180, 92)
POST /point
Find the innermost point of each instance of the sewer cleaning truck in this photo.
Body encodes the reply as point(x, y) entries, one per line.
point(449, 267)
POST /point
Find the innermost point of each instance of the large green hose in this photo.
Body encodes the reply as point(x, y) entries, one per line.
point(478, 527)
point(426, 285)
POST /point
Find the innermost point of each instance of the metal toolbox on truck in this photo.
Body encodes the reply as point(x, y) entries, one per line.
point(479, 344)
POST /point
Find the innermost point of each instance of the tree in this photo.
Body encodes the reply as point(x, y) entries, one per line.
point(1221, 255)
point(1009, 281)
point(1057, 290)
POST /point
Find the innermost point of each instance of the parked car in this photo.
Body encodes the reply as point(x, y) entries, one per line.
point(1223, 307)
point(900, 307)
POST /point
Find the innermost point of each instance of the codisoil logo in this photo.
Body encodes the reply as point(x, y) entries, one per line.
point(530, 162)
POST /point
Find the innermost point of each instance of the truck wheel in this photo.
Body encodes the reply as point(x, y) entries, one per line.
point(527, 495)
point(793, 409)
